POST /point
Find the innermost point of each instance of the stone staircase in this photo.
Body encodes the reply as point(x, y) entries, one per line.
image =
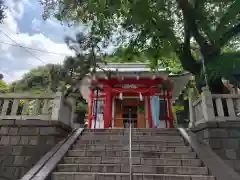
point(157, 154)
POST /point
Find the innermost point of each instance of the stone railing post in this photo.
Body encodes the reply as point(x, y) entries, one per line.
point(207, 105)
point(57, 106)
point(72, 101)
point(64, 108)
point(191, 110)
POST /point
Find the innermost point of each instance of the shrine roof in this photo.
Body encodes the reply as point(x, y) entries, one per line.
point(137, 67)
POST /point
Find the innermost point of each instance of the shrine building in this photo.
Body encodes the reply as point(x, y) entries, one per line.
point(134, 94)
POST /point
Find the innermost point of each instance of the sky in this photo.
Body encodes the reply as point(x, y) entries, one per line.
point(24, 26)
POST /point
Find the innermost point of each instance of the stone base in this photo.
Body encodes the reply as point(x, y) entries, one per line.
point(223, 138)
point(24, 142)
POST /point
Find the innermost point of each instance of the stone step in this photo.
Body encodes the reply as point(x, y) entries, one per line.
point(179, 149)
point(152, 130)
point(135, 133)
point(124, 176)
point(147, 154)
point(123, 168)
point(126, 141)
point(134, 138)
point(135, 161)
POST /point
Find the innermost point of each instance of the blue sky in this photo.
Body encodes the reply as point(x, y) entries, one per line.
point(24, 25)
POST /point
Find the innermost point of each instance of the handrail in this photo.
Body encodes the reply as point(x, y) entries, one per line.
point(46, 165)
point(213, 162)
point(130, 147)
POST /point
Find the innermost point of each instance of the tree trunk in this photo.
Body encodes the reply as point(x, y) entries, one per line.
point(216, 85)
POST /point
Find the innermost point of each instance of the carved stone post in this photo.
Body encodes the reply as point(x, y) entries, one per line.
point(57, 105)
point(207, 105)
point(72, 100)
point(191, 110)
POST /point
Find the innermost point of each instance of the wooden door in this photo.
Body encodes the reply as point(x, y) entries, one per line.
point(141, 121)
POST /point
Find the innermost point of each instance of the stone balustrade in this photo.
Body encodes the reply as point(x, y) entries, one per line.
point(214, 108)
point(215, 119)
point(27, 106)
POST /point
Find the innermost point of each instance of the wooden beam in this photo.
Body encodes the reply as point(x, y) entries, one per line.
point(146, 81)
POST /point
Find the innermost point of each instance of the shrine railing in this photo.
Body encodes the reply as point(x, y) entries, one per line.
point(26, 106)
point(214, 107)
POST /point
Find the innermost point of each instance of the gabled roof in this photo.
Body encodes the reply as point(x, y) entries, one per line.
point(137, 67)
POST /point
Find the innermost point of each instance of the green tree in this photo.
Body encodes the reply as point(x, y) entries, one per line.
point(2, 11)
point(40, 79)
point(85, 62)
point(3, 86)
point(159, 28)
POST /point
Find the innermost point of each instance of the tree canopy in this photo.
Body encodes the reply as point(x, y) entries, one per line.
point(2, 11)
point(180, 28)
point(3, 86)
point(40, 79)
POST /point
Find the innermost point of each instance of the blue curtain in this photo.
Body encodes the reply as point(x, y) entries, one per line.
point(155, 106)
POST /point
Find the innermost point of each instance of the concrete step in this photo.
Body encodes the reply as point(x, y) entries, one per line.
point(135, 161)
point(124, 130)
point(134, 133)
point(179, 149)
point(124, 176)
point(123, 168)
point(147, 154)
point(134, 138)
point(126, 141)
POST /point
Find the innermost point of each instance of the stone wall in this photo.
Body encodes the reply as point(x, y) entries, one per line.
point(224, 139)
point(24, 142)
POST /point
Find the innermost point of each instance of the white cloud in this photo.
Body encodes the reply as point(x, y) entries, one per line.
point(16, 7)
point(15, 61)
point(53, 28)
point(36, 24)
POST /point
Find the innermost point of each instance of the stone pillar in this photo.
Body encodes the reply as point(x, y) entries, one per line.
point(57, 105)
point(207, 105)
point(62, 109)
point(191, 110)
point(72, 100)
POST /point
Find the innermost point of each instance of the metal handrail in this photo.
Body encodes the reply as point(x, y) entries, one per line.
point(130, 147)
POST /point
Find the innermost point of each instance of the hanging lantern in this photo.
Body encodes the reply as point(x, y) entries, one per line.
point(121, 96)
point(140, 97)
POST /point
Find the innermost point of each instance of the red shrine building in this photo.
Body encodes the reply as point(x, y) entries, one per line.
point(133, 95)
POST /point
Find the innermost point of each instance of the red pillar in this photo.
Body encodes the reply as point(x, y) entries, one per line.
point(90, 107)
point(149, 113)
point(107, 108)
point(110, 111)
point(169, 95)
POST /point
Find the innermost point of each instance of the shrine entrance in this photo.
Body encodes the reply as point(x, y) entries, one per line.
point(129, 116)
point(129, 111)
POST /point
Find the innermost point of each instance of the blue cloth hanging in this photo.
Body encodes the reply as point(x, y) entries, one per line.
point(155, 106)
